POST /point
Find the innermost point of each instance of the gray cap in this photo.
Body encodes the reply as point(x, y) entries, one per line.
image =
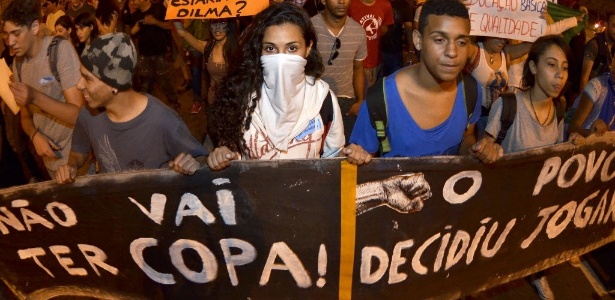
point(112, 58)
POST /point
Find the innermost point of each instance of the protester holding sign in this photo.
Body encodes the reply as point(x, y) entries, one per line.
point(538, 120)
point(217, 50)
point(273, 105)
point(135, 131)
point(487, 62)
point(426, 105)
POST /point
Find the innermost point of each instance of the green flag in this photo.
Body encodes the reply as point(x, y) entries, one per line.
point(559, 12)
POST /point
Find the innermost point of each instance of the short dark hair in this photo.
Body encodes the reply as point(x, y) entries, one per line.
point(106, 11)
point(537, 50)
point(452, 8)
point(22, 12)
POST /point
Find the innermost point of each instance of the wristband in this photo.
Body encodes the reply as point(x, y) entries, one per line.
point(33, 134)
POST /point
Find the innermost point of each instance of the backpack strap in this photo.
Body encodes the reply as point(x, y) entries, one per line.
point(326, 114)
point(509, 111)
point(52, 53)
point(377, 108)
point(326, 110)
point(470, 93)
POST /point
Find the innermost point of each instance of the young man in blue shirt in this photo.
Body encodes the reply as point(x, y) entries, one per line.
point(426, 109)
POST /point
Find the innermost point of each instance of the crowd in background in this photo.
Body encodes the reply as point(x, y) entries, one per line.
point(305, 79)
point(359, 42)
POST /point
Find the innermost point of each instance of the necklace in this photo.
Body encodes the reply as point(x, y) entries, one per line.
point(536, 115)
point(490, 57)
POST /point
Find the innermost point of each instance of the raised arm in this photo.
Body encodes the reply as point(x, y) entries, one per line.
point(191, 40)
point(517, 50)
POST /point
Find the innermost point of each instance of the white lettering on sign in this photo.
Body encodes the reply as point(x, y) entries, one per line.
point(61, 213)
point(553, 168)
point(558, 218)
point(92, 254)
point(375, 261)
point(191, 206)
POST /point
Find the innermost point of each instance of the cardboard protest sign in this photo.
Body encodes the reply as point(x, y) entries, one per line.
point(511, 19)
point(213, 9)
point(321, 229)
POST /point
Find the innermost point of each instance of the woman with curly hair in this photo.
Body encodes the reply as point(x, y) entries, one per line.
point(270, 104)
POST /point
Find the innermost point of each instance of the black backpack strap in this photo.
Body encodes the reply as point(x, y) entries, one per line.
point(326, 114)
point(470, 90)
point(509, 111)
point(377, 108)
point(326, 110)
point(52, 53)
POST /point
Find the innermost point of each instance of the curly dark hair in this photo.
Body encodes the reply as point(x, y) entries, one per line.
point(22, 12)
point(537, 50)
point(452, 8)
point(231, 113)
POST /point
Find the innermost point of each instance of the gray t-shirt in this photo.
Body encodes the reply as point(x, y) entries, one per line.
point(36, 73)
point(525, 132)
point(353, 47)
point(148, 141)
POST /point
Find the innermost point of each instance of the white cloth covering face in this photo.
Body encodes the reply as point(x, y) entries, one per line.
point(286, 122)
point(287, 98)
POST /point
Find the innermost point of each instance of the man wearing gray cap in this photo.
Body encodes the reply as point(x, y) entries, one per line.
point(135, 131)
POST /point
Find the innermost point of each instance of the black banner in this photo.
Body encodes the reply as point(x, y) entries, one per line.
point(320, 229)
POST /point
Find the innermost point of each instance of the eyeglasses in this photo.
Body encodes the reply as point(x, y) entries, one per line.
point(334, 52)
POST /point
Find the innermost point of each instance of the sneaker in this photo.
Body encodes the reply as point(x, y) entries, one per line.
point(541, 286)
point(196, 108)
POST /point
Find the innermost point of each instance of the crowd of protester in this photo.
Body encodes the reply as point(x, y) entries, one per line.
point(301, 79)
